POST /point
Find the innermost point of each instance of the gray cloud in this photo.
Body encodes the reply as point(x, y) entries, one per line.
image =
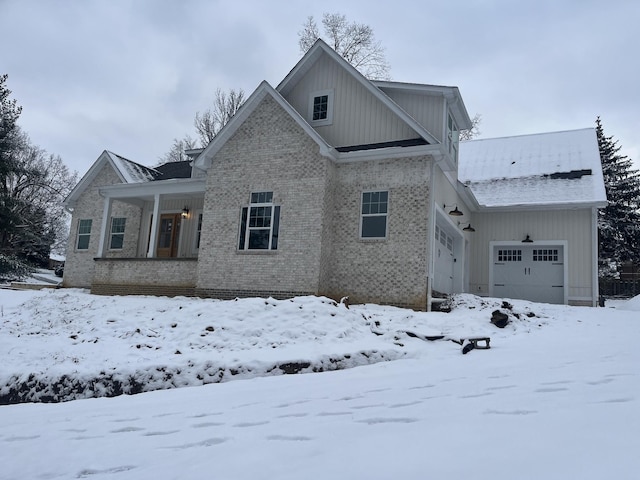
point(129, 76)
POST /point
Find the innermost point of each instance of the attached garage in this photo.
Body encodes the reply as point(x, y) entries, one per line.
point(527, 271)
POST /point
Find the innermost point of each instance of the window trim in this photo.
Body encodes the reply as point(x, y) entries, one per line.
point(244, 237)
point(362, 216)
point(83, 234)
point(323, 121)
point(113, 234)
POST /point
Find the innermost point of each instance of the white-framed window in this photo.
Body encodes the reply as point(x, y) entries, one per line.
point(259, 223)
point(117, 233)
point(321, 108)
point(84, 234)
point(373, 214)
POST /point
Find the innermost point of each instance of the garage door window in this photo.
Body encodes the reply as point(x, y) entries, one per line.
point(545, 255)
point(509, 255)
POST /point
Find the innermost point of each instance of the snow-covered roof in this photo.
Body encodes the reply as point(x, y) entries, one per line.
point(557, 168)
point(132, 172)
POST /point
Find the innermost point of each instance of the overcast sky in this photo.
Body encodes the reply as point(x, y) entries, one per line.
point(129, 76)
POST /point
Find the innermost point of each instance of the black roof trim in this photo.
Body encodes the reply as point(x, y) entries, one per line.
point(413, 142)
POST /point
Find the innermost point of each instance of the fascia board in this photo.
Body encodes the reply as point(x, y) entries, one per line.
point(171, 186)
point(389, 152)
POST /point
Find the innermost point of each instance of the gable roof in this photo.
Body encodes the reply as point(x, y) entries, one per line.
point(558, 169)
point(127, 171)
point(264, 89)
point(321, 48)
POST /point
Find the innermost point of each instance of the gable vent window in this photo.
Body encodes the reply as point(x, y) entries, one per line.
point(321, 108)
point(259, 223)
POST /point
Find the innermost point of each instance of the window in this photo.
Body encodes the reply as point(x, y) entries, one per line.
point(117, 233)
point(444, 239)
point(509, 255)
point(199, 231)
point(321, 108)
point(259, 223)
point(84, 234)
point(374, 215)
point(545, 255)
point(453, 137)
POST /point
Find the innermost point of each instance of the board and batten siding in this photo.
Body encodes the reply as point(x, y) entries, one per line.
point(359, 118)
point(428, 110)
point(574, 226)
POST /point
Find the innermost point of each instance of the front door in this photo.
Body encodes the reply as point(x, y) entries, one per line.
point(169, 235)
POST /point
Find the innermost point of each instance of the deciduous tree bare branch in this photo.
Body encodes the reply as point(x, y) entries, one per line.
point(355, 42)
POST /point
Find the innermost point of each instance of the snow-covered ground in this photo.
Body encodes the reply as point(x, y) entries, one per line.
point(556, 397)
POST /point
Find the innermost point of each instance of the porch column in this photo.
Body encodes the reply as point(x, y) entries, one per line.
point(104, 225)
point(153, 240)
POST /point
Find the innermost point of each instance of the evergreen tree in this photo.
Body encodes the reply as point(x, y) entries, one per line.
point(619, 222)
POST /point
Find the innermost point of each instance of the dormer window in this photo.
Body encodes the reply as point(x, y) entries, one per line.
point(321, 108)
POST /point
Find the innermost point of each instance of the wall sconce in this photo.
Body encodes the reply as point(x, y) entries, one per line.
point(185, 212)
point(527, 239)
point(468, 228)
point(455, 212)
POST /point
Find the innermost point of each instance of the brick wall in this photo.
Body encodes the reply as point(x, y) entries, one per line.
point(269, 152)
point(145, 276)
point(391, 271)
point(79, 264)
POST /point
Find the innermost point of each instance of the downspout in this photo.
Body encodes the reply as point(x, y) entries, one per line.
point(430, 242)
point(594, 257)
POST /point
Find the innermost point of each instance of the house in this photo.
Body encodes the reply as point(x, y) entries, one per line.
point(331, 184)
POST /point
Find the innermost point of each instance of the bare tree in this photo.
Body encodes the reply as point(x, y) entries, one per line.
point(177, 151)
point(355, 42)
point(211, 121)
point(474, 131)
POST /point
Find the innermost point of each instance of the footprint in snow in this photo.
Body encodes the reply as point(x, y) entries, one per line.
point(376, 421)
point(91, 471)
point(207, 424)
point(210, 442)
point(250, 424)
point(290, 438)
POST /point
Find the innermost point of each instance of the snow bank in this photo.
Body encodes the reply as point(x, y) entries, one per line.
point(66, 344)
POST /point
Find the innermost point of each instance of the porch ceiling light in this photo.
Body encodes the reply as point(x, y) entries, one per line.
point(527, 239)
point(185, 212)
point(468, 228)
point(455, 212)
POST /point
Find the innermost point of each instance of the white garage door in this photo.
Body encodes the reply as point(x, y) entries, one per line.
point(444, 262)
point(529, 272)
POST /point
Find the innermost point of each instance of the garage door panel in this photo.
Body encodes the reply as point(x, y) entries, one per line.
point(534, 273)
